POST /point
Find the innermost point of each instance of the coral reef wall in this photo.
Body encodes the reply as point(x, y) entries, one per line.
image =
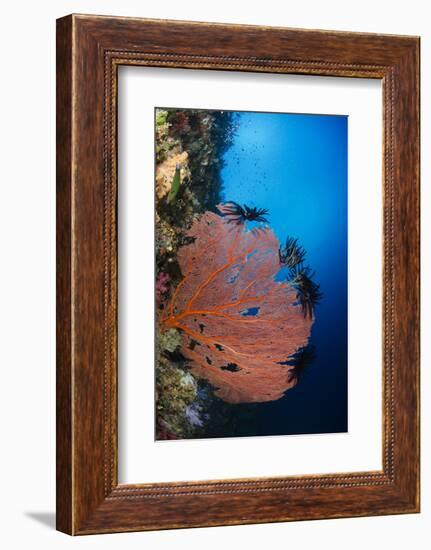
point(189, 156)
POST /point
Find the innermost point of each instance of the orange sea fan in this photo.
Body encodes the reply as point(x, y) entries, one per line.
point(238, 322)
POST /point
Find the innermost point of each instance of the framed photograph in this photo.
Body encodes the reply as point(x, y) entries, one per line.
point(237, 274)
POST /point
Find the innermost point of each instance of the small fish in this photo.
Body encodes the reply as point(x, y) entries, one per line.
point(175, 185)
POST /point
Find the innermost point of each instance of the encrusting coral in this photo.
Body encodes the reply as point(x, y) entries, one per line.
point(165, 172)
point(175, 391)
point(162, 285)
point(170, 340)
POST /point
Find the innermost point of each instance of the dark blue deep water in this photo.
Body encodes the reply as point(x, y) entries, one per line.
point(296, 166)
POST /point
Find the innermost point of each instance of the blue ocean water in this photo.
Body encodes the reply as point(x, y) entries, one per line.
point(295, 165)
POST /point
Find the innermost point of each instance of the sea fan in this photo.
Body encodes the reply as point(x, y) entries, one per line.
point(238, 322)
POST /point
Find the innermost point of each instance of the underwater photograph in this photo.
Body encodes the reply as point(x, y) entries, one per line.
point(251, 273)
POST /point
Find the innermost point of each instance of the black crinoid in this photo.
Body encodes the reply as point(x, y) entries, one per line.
point(235, 213)
point(292, 254)
point(300, 361)
point(300, 276)
point(307, 291)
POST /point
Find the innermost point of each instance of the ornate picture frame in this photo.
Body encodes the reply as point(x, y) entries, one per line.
point(89, 51)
